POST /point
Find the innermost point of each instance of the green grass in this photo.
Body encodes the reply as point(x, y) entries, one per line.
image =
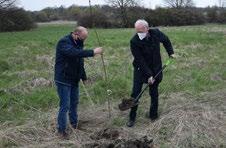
point(200, 49)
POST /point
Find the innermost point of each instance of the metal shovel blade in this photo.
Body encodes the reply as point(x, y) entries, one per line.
point(127, 104)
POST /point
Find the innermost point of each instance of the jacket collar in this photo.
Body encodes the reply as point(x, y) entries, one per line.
point(71, 38)
point(76, 42)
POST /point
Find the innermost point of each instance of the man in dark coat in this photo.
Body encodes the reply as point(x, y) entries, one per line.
point(145, 47)
point(69, 69)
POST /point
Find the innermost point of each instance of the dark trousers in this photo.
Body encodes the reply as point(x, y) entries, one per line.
point(153, 92)
point(69, 99)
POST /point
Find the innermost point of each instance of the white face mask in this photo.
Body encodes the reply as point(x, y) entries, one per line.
point(142, 35)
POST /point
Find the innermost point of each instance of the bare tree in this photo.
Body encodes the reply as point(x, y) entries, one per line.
point(222, 3)
point(179, 3)
point(122, 5)
point(4, 4)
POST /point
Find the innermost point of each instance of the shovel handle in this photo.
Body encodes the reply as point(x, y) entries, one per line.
point(166, 64)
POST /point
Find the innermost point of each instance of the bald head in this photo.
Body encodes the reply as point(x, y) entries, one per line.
point(82, 32)
point(141, 26)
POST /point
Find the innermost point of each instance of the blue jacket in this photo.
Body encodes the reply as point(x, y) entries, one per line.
point(69, 63)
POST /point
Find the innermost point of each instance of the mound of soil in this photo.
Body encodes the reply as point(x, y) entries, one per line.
point(112, 138)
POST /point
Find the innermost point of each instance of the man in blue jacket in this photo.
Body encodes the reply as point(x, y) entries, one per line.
point(145, 47)
point(69, 69)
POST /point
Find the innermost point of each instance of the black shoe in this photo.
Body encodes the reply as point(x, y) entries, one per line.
point(152, 117)
point(63, 135)
point(130, 123)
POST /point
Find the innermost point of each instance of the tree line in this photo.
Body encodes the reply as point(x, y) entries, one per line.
point(118, 13)
point(111, 17)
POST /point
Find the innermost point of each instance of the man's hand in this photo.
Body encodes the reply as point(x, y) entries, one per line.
point(151, 80)
point(98, 50)
point(173, 56)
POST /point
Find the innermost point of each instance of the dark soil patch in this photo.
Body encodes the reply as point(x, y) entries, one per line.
point(112, 138)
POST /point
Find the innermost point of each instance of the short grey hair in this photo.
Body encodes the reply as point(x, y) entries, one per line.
point(142, 22)
point(80, 29)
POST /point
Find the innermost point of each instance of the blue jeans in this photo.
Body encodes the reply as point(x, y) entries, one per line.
point(69, 99)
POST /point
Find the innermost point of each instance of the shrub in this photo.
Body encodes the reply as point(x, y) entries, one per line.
point(15, 19)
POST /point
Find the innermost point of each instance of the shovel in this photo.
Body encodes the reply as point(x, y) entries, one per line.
point(128, 103)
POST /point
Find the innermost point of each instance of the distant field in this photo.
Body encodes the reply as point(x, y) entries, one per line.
point(57, 23)
point(192, 94)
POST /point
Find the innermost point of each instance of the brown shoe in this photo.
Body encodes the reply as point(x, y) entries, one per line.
point(63, 135)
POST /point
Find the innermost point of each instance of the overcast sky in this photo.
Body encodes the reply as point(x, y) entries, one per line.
point(40, 4)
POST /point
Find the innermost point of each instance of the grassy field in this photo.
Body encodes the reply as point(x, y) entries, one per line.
point(192, 94)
